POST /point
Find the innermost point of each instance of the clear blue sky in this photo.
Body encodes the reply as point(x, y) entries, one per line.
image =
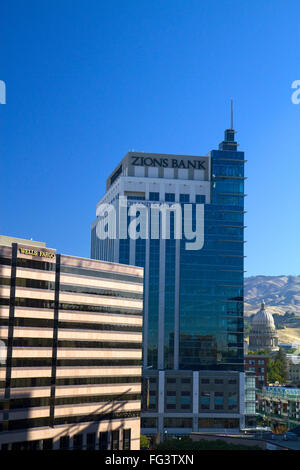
point(89, 80)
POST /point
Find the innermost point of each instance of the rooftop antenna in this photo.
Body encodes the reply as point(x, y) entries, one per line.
point(231, 114)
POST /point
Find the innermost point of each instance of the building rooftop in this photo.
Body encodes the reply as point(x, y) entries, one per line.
point(8, 241)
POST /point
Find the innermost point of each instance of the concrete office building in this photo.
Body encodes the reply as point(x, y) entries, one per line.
point(193, 359)
point(71, 329)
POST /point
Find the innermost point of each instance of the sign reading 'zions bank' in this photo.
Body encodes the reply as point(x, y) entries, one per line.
point(168, 162)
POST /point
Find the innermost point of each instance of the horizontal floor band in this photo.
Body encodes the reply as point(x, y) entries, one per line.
point(43, 422)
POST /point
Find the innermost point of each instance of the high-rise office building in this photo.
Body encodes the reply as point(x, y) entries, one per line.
point(70, 350)
point(193, 364)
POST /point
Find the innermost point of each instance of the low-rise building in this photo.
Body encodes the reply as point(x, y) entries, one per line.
point(258, 365)
point(294, 369)
point(279, 405)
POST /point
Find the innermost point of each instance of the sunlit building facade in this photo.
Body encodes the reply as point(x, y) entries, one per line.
point(71, 350)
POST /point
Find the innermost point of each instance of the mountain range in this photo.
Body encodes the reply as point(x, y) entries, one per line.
point(280, 293)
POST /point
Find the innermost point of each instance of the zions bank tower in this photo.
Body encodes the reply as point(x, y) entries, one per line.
point(193, 339)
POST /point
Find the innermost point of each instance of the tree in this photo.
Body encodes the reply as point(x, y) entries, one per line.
point(278, 368)
point(282, 364)
point(144, 442)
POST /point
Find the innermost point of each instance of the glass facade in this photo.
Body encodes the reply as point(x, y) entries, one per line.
point(202, 303)
point(211, 279)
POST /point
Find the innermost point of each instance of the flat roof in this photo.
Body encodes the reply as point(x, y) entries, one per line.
point(8, 241)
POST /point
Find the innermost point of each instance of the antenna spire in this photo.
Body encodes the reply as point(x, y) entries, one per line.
point(229, 143)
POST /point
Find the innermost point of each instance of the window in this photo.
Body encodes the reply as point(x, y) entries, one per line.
point(232, 407)
point(136, 198)
point(185, 381)
point(178, 422)
point(153, 172)
point(47, 444)
point(171, 398)
point(171, 381)
point(199, 175)
point(184, 198)
point(218, 401)
point(205, 398)
point(126, 439)
point(148, 422)
point(168, 172)
point(64, 442)
point(232, 398)
point(182, 174)
point(103, 441)
point(154, 196)
point(170, 197)
point(77, 441)
point(200, 199)
point(185, 398)
point(205, 381)
point(115, 440)
point(218, 381)
point(139, 171)
point(218, 423)
point(90, 441)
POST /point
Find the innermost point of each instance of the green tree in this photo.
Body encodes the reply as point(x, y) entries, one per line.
point(144, 442)
point(278, 368)
point(282, 364)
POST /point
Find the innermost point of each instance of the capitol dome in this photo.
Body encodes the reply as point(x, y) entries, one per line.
point(263, 318)
point(263, 333)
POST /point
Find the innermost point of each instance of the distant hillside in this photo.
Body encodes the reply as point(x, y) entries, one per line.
point(280, 293)
point(289, 335)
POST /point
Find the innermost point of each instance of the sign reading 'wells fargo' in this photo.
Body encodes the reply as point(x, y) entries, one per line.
point(43, 254)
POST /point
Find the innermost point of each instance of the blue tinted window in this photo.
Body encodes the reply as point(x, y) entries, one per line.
point(154, 196)
point(170, 197)
point(200, 198)
point(184, 198)
point(136, 198)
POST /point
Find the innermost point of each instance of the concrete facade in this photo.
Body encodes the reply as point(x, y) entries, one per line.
point(72, 329)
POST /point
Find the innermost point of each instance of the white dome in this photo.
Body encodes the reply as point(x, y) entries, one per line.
point(263, 319)
point(263, 333)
